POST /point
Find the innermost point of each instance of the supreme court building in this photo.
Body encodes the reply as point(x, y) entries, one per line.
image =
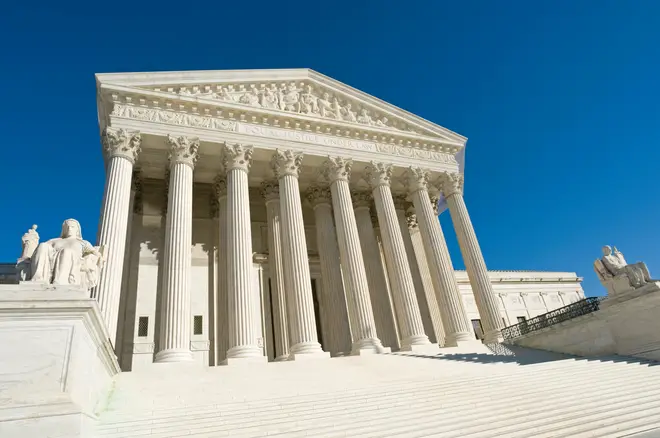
point(279, 214)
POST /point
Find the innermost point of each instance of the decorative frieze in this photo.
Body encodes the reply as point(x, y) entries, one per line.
point(121, 143)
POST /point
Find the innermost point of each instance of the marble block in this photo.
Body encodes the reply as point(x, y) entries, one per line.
point(57, 365)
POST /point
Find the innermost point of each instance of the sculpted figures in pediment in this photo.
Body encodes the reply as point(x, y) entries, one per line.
point(347, 114)
point(269, 98)
point(308, 104)
point(250, 98)
point(290, 98)
point(365, 118)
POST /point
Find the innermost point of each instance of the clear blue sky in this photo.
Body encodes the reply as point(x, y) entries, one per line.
point(559, 101)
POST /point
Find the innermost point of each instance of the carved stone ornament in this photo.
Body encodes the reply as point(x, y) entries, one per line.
point(361, 199)
point(302, 98)
point(337, 168)
point(374, 218)
point(435, 199)
point(270, 190)
point(416, 179)
point(68, 259)
point(220, 186)
point(378, 174)
point(184, 150)
point(30, 241)
point(617, 276)
point(286, 162)
point(319, 195)
point(411, 219)
point(237, 156)
point(121, 143)
point(451, 183)
point(166, 191)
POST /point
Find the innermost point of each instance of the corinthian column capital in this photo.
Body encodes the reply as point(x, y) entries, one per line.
point(361, 199)
point(286, 162)
point(183, 150)
point(319, 195)
point(220, 186)
point(416, 179)
point(378, 174)
point(411, 220)
point(337, 168)
point(451, 183)
point(270, 190)
point(237, 156)
point(121, 143)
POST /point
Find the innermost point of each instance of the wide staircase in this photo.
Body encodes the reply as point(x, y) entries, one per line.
point(510, 392)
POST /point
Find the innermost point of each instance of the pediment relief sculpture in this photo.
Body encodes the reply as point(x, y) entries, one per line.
point(64, 260)
point(617, 275)
point(294, 97)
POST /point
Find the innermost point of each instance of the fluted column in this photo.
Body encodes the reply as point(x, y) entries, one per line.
point(365, 339)
point(400, 205)
point(271, 193)
point(380, 300)
point(411, 328)
point(425, 273)
point(241, 299)
point(334, 298)
point(452, 188)
point(300, 304)
point(174, 343)
point(121, 150)
point(454, 317)
point(222, 316)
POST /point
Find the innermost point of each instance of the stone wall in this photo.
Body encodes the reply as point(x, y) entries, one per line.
point(626, 325)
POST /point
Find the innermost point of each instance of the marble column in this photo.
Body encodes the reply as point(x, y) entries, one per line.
point(175, 332)
point(400, 205)
point(270, 191)
point(411, 328)
point(382, 307)
point(455, 319)
point(337, 172)
point(425, 273)
point(241, 298)
point(300, 303)
point(222, 316)
point(452, 187)
point(121, 150)
point(334, 298)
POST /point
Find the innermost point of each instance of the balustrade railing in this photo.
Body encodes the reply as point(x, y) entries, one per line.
point(579, 308)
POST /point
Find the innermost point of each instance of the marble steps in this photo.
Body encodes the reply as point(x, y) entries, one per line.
point(484, 422)
point(180, 419)
point(376, 390)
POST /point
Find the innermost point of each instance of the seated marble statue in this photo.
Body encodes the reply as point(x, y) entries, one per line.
point(617, 275)
point(68, 259)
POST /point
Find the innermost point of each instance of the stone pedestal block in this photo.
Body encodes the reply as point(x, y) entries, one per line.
point(58, 364)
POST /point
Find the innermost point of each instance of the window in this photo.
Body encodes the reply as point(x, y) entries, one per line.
point(143, 326)
point(198, 328)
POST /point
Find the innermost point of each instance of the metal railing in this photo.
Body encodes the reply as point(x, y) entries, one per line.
point(579, 308)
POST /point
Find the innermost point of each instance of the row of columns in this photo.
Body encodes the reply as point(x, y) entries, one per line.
point(354, 283)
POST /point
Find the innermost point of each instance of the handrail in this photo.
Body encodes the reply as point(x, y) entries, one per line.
point(573, 310)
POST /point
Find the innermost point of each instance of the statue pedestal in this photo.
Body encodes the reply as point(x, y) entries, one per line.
point(630, 293)
point(57, 364)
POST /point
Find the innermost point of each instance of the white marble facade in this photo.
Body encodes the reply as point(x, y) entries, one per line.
point(202, 166)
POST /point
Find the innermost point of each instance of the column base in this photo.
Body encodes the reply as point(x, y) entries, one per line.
point(452, 340)
point(306, 348)
point(244, 351)
point(493, 337)
point(233, 361)
point(282, 358)
point(309, 356)
point(173, 355)
point(425, 348)
point(370, 351)
point(414, 341)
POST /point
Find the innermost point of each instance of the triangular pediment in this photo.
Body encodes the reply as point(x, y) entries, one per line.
point(300, 93)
